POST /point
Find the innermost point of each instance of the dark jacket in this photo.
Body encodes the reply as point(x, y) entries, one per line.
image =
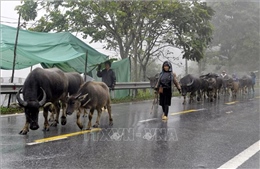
point(108, 77)
point(166, 79)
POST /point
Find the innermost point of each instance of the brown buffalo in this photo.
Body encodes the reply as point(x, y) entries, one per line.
point(91, 95)
point(234, 87)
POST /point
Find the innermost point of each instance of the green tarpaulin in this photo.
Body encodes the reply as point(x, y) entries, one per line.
point(38, 47)
point(62, 50)
point(121, 69)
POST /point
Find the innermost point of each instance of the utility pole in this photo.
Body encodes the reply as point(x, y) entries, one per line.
point(86, 64)
point(14, 61)
point(186, 66)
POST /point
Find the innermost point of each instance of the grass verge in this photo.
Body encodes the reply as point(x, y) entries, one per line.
point(10, 110)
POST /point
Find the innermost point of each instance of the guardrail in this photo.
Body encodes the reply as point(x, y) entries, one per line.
point(12, 88)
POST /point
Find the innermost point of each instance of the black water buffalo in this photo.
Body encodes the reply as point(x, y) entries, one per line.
point(91, 95)
point(212, 88)
point(190, 84)
point(153, 80)
point(75, 80)
point(41, 86)
point(204, 87)
point(246, 84)
point(211, 84)
point(219, 81)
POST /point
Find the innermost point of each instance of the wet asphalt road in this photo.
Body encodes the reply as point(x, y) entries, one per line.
point(197, 135)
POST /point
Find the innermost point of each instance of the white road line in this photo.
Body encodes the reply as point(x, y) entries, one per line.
point(10, 115)
point(147, 120)
point(242, 157)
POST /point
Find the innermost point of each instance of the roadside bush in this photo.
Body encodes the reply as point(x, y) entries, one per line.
point(6, 110)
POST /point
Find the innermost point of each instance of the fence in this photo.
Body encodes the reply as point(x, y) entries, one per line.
point(12, 88)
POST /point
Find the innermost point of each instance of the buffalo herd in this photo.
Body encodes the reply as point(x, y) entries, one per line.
point(211, 86)
point(53, 89)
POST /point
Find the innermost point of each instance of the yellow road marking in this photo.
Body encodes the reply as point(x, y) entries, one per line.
point(63, 136)
point(258, 97)
point(231, 102)
point(186, 111)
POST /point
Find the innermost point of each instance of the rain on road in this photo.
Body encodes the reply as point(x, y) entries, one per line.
point(197, 135)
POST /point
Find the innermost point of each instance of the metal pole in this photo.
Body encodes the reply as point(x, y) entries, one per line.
point(86, 64)
point(186, 66)
point(15, 47)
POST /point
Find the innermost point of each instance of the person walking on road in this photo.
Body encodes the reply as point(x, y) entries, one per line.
point(253, 76)
point(164, 87)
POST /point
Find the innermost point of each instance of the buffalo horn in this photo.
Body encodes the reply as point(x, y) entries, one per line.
point(190, 82)
point(21, 102)
point(77, 96)
point(86, 102)
point(42, 102)
point(47, 104)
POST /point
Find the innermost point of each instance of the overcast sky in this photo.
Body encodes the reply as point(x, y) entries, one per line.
point(9, 17)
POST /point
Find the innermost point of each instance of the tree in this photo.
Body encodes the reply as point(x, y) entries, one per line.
point(237, 33)
point(137, 29)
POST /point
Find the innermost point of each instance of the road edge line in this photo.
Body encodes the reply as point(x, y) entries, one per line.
point(242, 157)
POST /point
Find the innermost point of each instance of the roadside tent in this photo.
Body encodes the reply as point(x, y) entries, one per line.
point(121, 69)
point(49, 48)
point(62, 50)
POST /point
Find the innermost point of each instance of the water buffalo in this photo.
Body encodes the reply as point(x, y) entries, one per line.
point(225, 89)
point(91, 95)
point(190, 84)
point(246, 84)
point(219, 81)
point(212, 88)
point(41, 86)
point(153, 81)
point(211, 84)
point(234, 86)
point(204, 87)
point(75, 80)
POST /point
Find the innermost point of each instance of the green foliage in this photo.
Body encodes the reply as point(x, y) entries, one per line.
point(123, 23)
point(142, 95)
point(28, 10)
point(5, 110)
point(236, 31)
point(193, 29)
point(138, 29)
